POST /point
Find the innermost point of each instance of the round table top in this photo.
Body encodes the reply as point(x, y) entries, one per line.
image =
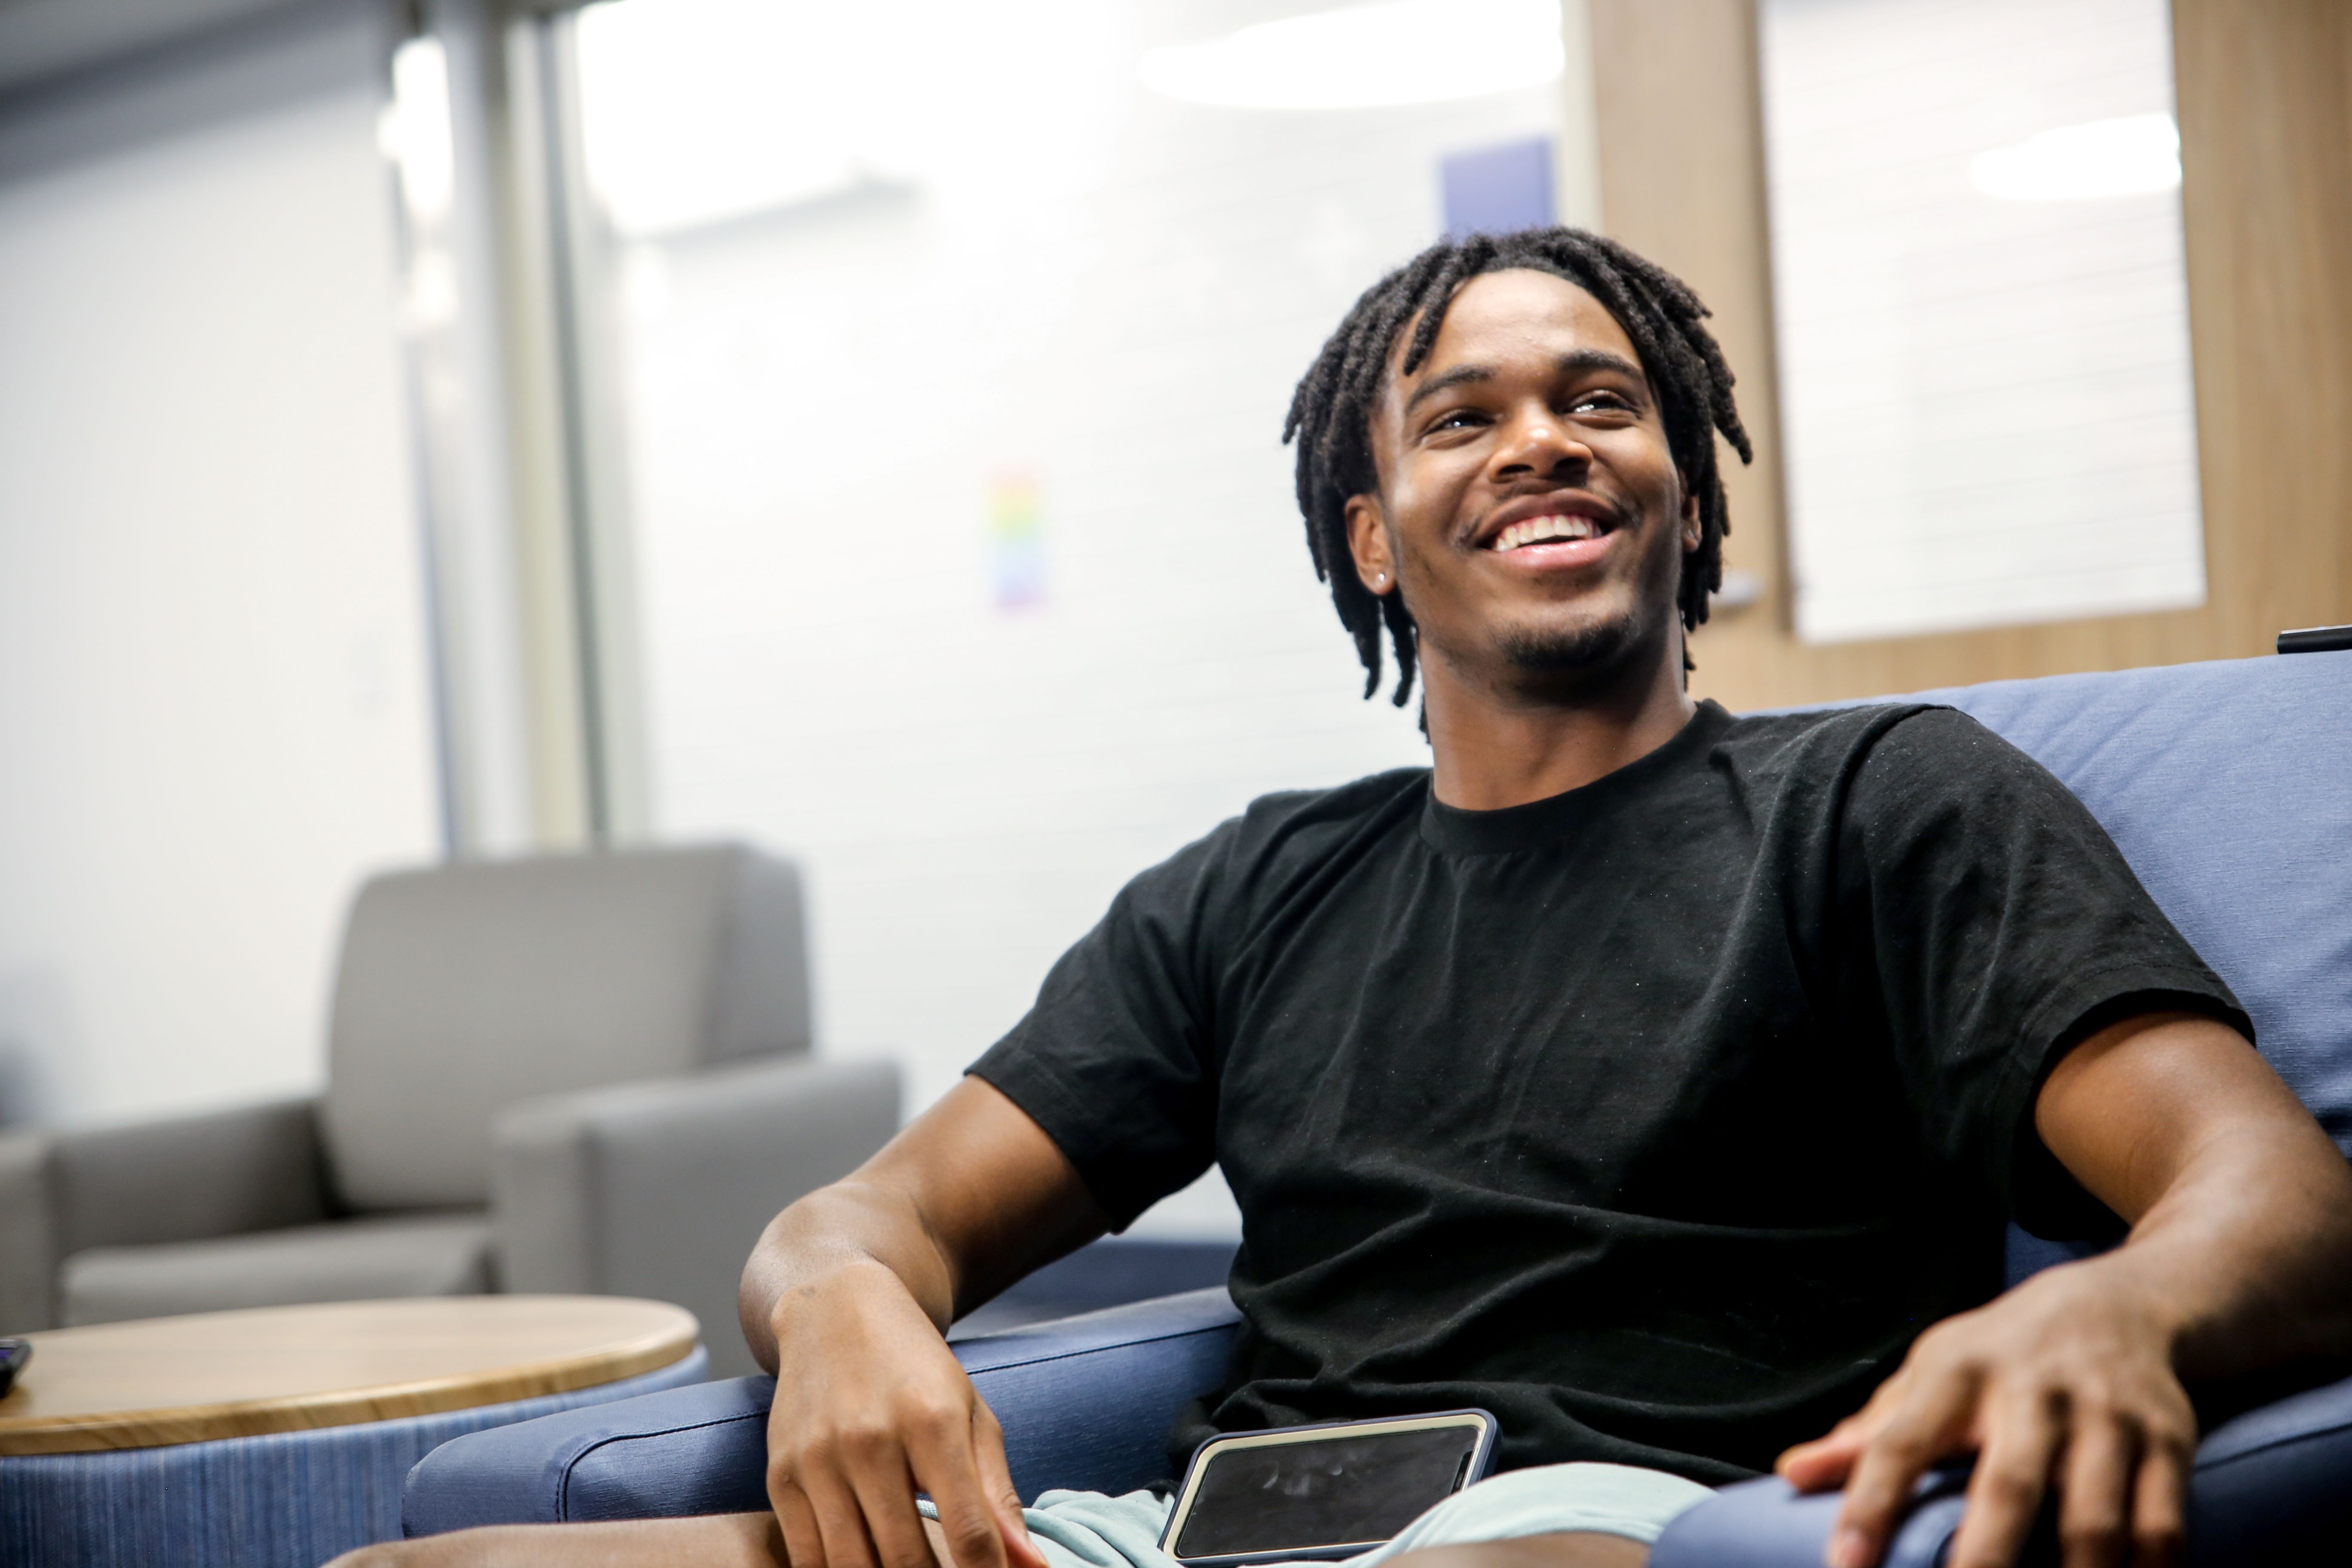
point(281, 1369)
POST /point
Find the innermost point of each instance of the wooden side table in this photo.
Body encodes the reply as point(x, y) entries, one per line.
point(278, 1438)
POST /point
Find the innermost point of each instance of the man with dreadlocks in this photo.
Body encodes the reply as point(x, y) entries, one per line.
point(1648, 1077)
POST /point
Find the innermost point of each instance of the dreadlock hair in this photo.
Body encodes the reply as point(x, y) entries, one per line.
point(1330, 413)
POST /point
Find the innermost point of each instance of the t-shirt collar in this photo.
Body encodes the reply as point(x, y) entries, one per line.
point(1540, 823)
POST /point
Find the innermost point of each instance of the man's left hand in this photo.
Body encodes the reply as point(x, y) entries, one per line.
point(2240, 1258)
point(2064, 1384)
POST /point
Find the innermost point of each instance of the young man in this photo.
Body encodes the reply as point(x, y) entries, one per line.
point(1648, 1077)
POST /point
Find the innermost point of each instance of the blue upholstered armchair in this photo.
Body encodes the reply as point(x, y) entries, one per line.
point(2229, 788)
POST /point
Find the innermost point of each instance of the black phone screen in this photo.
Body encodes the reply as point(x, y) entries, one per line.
point(1327, 1492)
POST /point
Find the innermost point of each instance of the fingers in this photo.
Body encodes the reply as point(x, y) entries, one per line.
point(2094, 1482)
point(1929, 1423)
point(2159, 1530)
point(940, 1443)
point(2021, 1438)
point(884, 1483)
point(803, 1545)
point(996, 1479)
point(840, 1522)
point(2122, 1488)
point(2122, 1485)
point(1826, 1461)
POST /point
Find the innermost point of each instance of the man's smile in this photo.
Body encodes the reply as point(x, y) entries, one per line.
point(1549, 532)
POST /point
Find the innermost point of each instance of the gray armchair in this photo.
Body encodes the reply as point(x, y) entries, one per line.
point(581, 1073)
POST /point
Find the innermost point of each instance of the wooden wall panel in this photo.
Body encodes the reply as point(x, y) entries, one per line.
point(2263, 86)
point(2265, 106)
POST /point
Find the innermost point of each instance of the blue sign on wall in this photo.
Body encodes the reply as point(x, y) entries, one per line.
point(1494, 190)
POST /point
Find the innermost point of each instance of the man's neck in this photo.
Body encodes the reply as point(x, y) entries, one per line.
point(1504, 745)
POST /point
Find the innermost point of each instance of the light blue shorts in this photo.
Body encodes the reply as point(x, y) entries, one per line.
point(1087, 1530)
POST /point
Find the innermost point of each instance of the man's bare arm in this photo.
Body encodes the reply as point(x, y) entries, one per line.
point(2240, 1258)
point(847, 1297)
point(970, 1197)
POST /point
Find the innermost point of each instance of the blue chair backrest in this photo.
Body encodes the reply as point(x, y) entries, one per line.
point(2228, 787)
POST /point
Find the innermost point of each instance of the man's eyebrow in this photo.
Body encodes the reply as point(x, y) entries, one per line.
point(1460, 375)
point(1574, 361)
point(1601, 358)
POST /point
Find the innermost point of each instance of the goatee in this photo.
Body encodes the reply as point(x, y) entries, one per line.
point(1570, 650)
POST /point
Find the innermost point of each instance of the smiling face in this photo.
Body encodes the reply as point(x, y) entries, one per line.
point(1528, 506)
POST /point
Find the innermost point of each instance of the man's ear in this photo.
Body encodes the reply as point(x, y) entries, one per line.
point(1691, 533)
point(1368, 542)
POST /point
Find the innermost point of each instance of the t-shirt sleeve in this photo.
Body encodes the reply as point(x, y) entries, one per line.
point(1115, 1060)
point(2002, 926)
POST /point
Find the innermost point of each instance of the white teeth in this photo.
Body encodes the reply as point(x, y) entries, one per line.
point(1541, 528)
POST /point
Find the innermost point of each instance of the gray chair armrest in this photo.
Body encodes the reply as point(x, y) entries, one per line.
point(189, 1178)
point(185, 1178)
point(660, 1188)
point(28, 1234)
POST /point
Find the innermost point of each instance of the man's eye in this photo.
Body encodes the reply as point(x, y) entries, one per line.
point(1459, 419)
point(1605, 402)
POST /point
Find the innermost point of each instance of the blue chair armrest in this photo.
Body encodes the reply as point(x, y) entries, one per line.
point(2273, 1485)
point(1085, 1403)
point(1764, 1524)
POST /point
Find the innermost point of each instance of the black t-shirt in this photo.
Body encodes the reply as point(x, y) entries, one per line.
point(1657, 1116)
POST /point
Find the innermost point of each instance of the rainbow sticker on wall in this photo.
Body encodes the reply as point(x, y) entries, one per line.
point(1016, 542)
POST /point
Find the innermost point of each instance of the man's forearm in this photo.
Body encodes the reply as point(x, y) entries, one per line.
point(2242, 1207)
point(972, 1196)
point(2247, 1257)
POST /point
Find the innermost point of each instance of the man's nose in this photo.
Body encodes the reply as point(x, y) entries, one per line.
point(1538, 441)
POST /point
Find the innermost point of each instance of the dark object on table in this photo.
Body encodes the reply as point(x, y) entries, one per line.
point(2315, 640)
point(14, 1354)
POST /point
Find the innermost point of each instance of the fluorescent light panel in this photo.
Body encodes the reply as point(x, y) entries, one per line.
point(2132, 155)
point(1366, 57)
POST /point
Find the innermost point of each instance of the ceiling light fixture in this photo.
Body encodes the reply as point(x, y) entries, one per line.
point(2135, 155)
point(1388, 53)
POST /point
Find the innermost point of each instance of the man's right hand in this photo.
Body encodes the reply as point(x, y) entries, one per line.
point(848, 1296)
point(871, 1407)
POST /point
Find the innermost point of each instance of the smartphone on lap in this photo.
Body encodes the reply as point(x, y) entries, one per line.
point(1324, 1491)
